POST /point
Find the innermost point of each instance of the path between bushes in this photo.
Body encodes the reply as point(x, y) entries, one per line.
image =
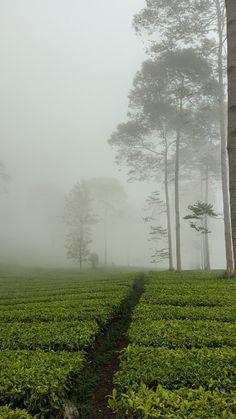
point(92, 389)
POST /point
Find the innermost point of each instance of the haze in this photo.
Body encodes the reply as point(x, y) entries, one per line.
point(66, 70)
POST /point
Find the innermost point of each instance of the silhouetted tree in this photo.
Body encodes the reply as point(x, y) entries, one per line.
point(202, 25)
point(79, 218)
point(198, 217)
point(158, 235)
point(110, 200)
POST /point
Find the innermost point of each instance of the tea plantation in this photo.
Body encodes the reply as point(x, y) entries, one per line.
point(181, 362)
point(48, 322)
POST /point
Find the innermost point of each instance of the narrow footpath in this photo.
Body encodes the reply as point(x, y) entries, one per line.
point(96, 383)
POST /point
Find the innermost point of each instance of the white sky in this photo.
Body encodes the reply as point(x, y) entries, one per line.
point(66, 69)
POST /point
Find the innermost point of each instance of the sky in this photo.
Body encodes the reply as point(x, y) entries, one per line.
point(66, 70)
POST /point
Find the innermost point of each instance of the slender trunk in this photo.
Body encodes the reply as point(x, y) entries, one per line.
point(105, 236)
point(207, 249)
point(171, 266)
point(81, 248)
point(224, 160)
point(202, 251)
point(177, 206)
point(231, 31)
point(203, 242)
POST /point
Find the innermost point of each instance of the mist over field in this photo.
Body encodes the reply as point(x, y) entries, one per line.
point(66, 71)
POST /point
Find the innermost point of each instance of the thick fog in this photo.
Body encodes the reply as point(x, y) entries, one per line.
point(66, 71)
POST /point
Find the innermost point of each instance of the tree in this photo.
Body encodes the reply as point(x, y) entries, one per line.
point(200, 24)
point(158, 234)
point(146, 150)
point(203, 154)
point(231, 36)
point(199, 214)
point(187, 74)
point(79, 219)
point(184, 78)
point(110, 200)
point(94, 259)
point(165, 93)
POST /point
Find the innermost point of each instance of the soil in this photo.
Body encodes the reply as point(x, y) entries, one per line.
point(92, 388)
point(105, 386)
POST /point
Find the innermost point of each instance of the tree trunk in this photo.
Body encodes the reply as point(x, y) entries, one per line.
point(81, 248)
point(231, 30)
point(177, 206)
point(202, 237)
point(105, 236)
point(224, 160)
point(207, 249)
point(170, 251)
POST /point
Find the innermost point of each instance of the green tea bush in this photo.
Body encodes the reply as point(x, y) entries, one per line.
point(37, 380)
point(6, 412)
point(165, 404)
point(208, 368)
point(57, 336)
point(44, 320)
point(167, 312)
point(182, 333)
point(181, 362)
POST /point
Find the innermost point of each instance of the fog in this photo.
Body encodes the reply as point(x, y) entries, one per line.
point(66, 70)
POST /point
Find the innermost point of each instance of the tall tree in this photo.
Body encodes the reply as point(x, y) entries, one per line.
point(198, 217)
point(79, 219)
point(146, 151)
point(231, 36)
point(200, 24)
point(158, 235)
point(203, 154)
point(110, 200)
point(166, 91)
point(182, 78)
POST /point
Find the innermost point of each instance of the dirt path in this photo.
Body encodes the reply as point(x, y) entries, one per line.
point(96, 383)
point(105, 385)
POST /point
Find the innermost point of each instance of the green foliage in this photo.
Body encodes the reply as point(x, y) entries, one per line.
point(183, 333)
point(95, 297)
point(181, 291)
point(181, 362)
point(56, 336)
point(7, 413)
point(200, 211)
point(37, 380)
point(44, 321)
point(146, 311)
point(183, 403)
point(211, 369)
